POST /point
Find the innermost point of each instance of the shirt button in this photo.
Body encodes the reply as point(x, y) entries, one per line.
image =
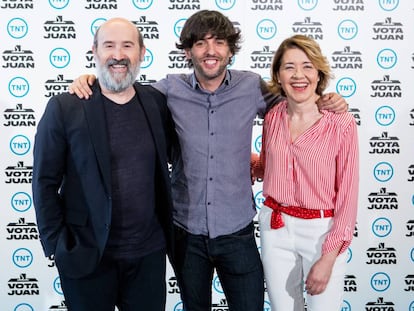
point(211, 134)
point(211, 178)
point(211, 157)
point(208, 203)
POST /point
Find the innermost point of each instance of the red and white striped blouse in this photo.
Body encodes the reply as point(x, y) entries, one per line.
point(319, 170)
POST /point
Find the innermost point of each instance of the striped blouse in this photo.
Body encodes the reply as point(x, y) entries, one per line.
point(319, 170)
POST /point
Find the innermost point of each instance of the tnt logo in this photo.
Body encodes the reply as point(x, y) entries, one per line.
point(380, 281)
point(381, 227)
point(59, 4)
point(225, 4)
point(178, 26)
point(173, 286)
point(267, 306)
point(259, 199)
point(22, 257)
point(348, 255)
point(266, 29)
point(387, 58)
point(17, 28)
point(59, 58)
point(347, 29)
point(57, 286)
point(19, 87)
point(21, 202)
point(383, 171)
point(385, 115)
point(179, 307)
point(142, 4)
point(20, 145)
point(307, 5)
point(258, 143)
point(217, 285)
point(96, 24)
point(23, 307)
point(345, 306)
point(148, 59)
point(388, 5)
point(346, 87)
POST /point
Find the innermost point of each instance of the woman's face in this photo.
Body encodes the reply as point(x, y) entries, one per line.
point(297, 76)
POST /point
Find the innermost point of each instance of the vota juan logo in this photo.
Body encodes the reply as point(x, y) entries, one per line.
point(410, 228)
point(309, 28)
point(350, 283)
point(262, 59)
point(381, 255)
point(56, 86)
point(384, 144)
point(383, 200)
point(102, 5)
point(177, 60)
point(388, 30)
point(266, 5)
point(19, 117)
point(13, 4)
point(380, 305)
point(59, 29)
point(60, 307)
point(18, 58)
point(22, 230)
point(19, 174)
point(182, 5)
point(349, 5)
point(386, 88)
point(148, 28)
point(409, 282)
point(23, 286)
point(347, 59)
point(173, 285)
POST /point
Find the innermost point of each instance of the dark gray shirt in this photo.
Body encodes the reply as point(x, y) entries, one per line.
point(211, 183)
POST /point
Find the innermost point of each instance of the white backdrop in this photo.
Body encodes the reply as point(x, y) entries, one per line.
point(44, 45)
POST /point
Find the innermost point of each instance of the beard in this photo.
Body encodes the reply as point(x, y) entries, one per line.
point(117, 82)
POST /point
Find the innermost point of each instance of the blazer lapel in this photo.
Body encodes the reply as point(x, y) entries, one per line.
point(95, 117)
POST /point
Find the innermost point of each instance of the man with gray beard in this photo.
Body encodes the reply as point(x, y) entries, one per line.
point(101, 185)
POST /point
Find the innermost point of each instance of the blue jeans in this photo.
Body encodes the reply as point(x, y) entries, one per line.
point(236, 260)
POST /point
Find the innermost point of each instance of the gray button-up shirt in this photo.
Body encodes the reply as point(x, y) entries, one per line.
point(211, 182)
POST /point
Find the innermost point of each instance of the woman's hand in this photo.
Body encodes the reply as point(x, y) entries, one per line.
point(320, 273)
point(81, 86)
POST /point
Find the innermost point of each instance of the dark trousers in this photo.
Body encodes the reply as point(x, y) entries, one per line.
point(131, 285)
point(237, 262)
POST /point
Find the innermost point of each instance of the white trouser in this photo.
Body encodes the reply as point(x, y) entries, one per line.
point(288, 253)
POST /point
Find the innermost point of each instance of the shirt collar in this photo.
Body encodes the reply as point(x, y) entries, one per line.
point(196, 85)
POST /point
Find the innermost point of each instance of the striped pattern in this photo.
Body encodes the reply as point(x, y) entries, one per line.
point(319, 170)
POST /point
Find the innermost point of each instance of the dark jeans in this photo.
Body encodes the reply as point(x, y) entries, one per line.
point(236, 260)
point(131, 285)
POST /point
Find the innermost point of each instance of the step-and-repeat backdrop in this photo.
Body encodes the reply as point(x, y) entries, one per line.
point(44, 45)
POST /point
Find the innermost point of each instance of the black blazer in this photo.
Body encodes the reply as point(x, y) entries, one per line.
point(72, 178)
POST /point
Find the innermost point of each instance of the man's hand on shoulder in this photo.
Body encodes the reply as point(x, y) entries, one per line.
point(332, 102)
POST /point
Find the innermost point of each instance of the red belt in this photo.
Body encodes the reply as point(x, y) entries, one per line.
point(295, 211)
